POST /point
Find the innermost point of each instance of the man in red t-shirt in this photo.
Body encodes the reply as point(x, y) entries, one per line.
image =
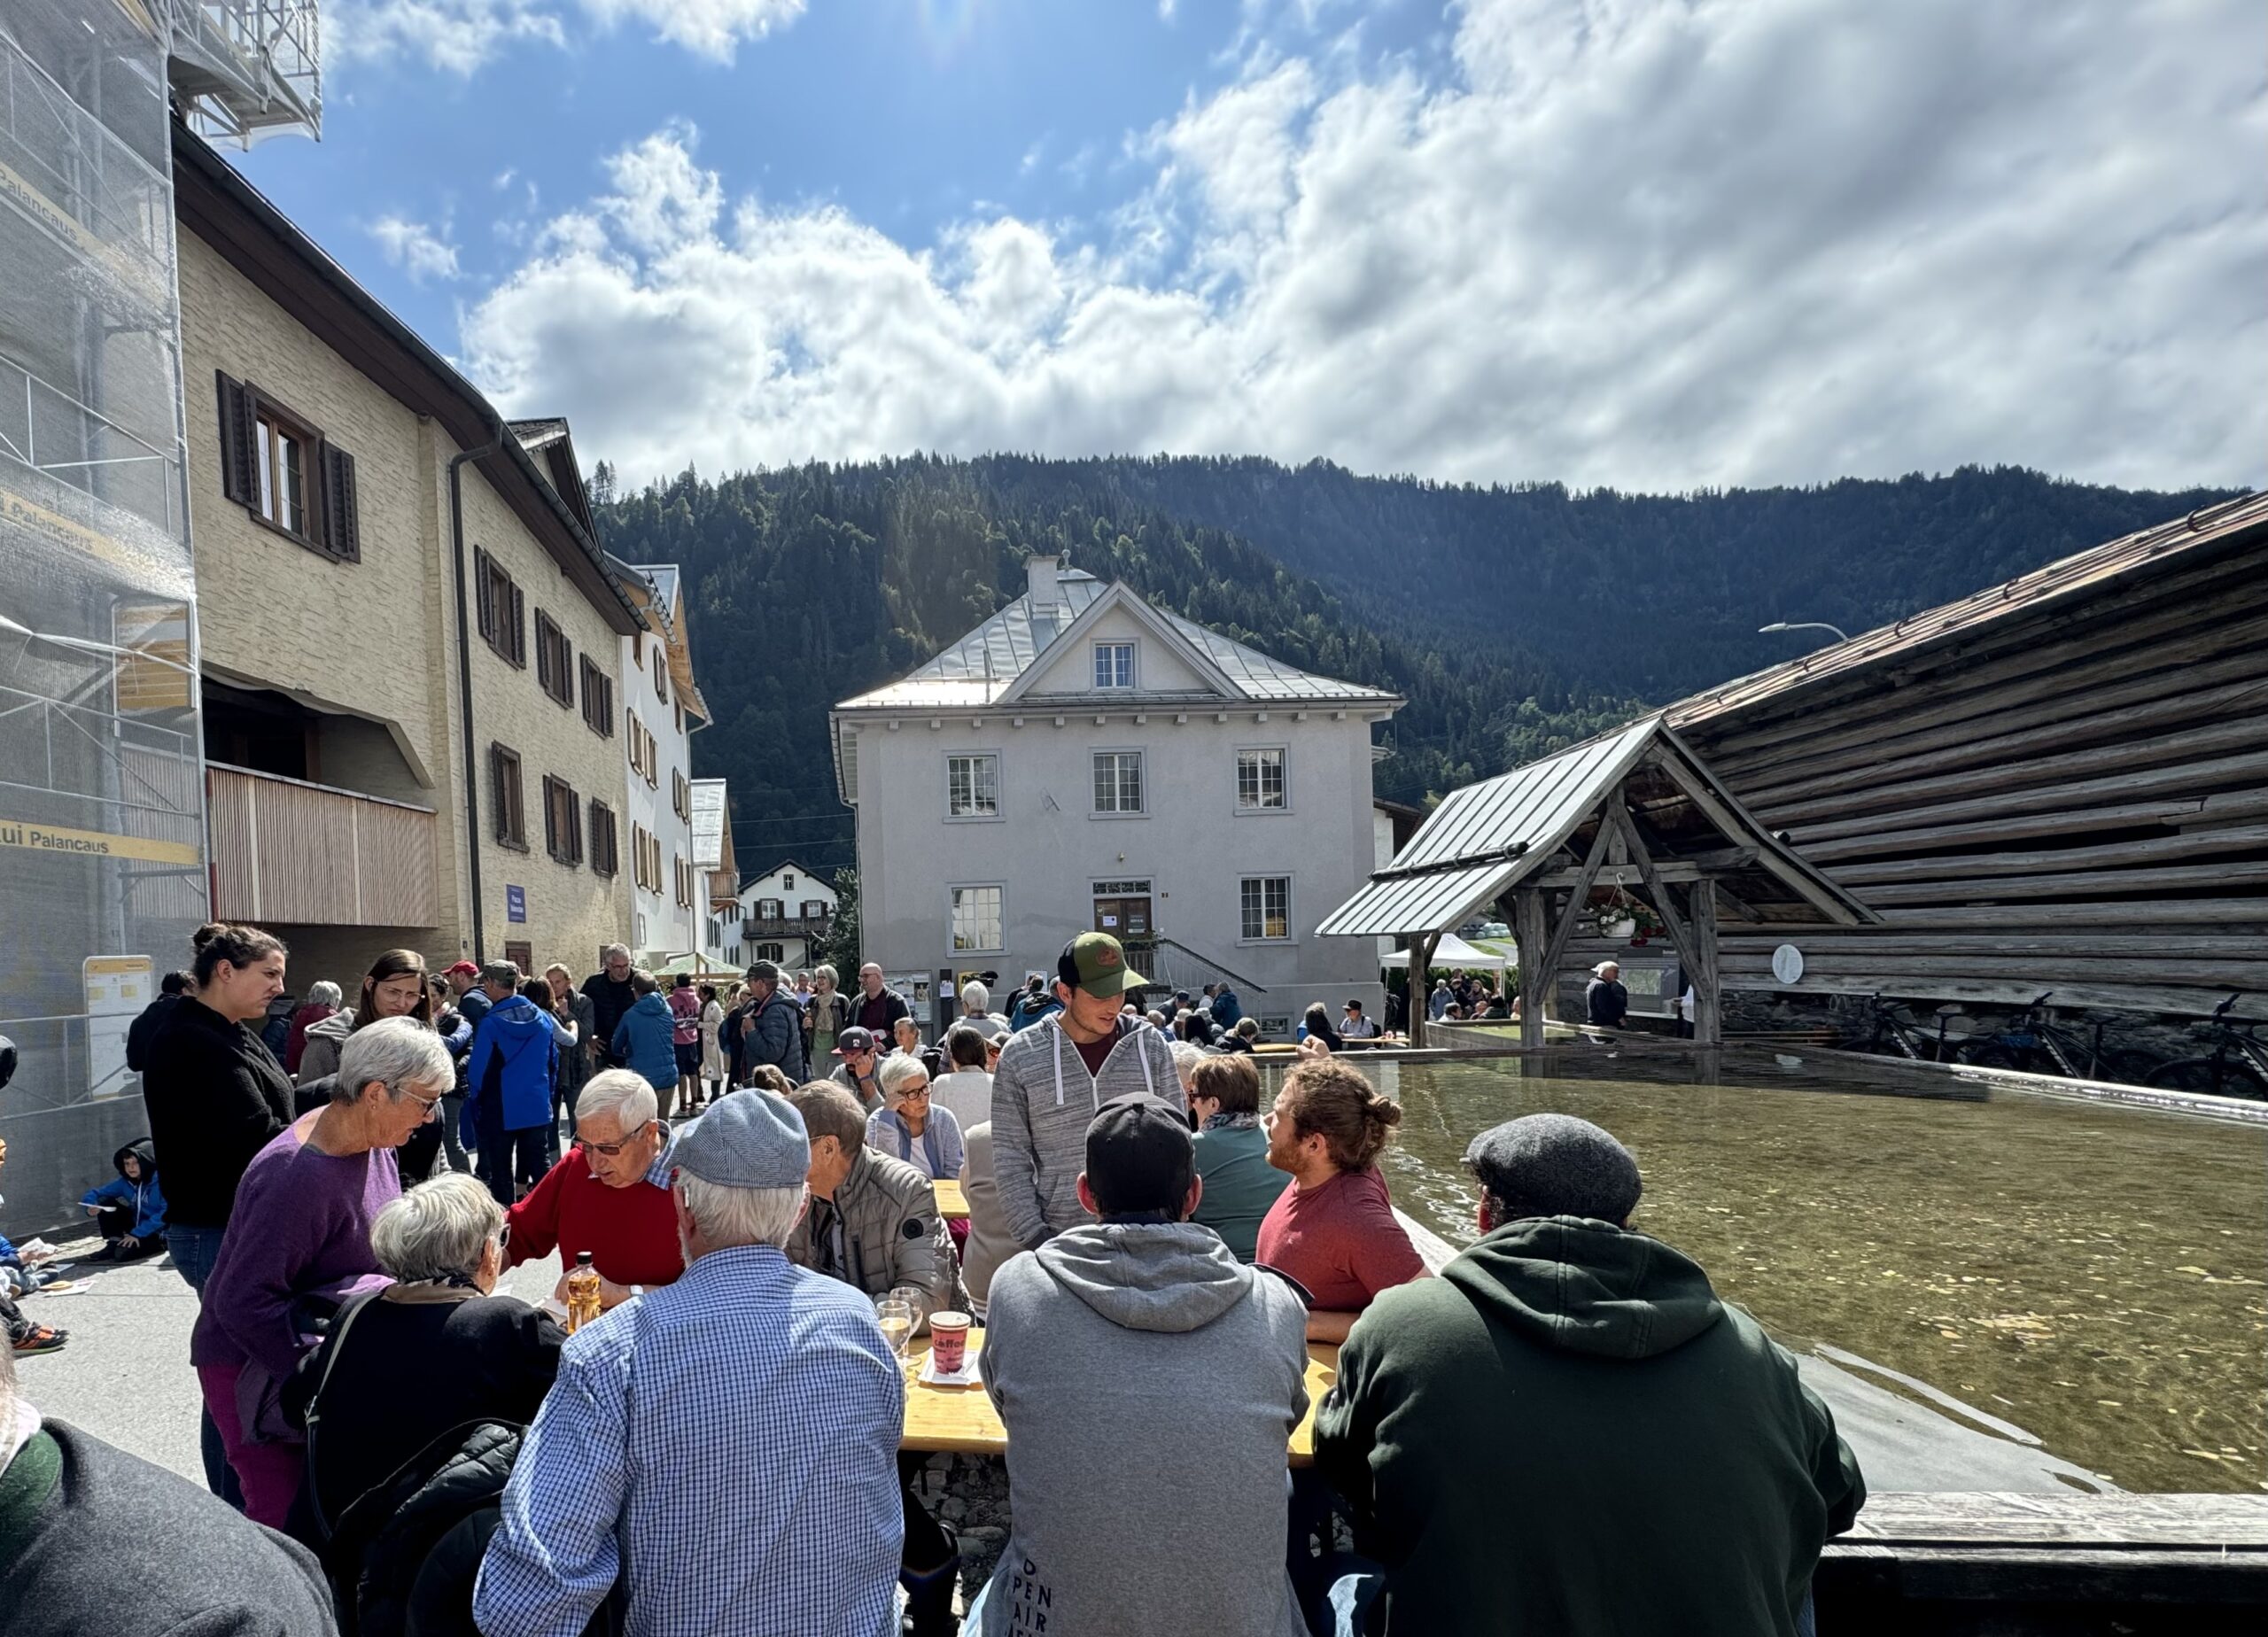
point(609, 1196)
point(1334, 1230)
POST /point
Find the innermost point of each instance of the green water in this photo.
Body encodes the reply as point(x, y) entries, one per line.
point(2096, 1275)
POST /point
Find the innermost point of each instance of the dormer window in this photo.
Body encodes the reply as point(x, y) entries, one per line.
point(1115, 664)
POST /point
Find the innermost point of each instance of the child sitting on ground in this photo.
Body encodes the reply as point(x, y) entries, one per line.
point(131, 1212)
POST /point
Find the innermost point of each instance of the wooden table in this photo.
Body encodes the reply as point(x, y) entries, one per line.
point(962, 1419)
point(952, 1205)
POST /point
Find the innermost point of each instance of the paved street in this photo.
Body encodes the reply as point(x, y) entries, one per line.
point(125, 1378)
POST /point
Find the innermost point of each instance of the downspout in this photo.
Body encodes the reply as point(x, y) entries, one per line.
point(464, 681)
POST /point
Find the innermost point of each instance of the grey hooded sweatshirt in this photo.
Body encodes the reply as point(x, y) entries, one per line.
point(1043, 1101)
point(1149, 1383)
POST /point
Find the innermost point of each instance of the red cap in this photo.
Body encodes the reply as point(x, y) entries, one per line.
point(465, 966)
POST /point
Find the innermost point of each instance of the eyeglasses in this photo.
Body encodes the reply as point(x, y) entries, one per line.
point(429, 1103)
point(614, 1150)
point(913, 1092)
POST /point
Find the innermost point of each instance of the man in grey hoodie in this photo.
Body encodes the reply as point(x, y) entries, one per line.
point(1039, 1130)
point(1129, 1358)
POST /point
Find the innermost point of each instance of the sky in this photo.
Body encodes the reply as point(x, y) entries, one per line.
point(1654, 244)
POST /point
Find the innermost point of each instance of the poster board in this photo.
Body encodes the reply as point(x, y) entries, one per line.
point(116, 987)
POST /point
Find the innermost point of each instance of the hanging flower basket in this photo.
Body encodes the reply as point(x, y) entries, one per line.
point(1615, 926)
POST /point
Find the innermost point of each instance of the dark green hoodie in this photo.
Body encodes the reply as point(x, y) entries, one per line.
point(1568, 1433)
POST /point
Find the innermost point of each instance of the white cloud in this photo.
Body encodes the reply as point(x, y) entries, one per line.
point(462, 35)
point(1656, 245)
point(417, 247)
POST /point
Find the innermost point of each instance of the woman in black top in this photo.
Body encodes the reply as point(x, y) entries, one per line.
point(215, 1095)
point(1318, 1026)
point(426, 1354)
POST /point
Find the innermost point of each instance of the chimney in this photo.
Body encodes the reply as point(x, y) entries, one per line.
point(1042, 586)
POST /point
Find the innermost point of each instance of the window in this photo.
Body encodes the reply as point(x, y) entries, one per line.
point(1118, 782)
point(661, 675)
point(562, 822)
point(976, 918)
point(786, 881)
point(606, 858)
point(1260, 781)
point(680, 796)
point(1114, 664)
point(598, 699)
point(972, 787)
point(645, 754)
point(646, 857)
point(510, 813)
point(814, 908)
point(771, 910)
point(683, 872)
point(278, 467)
point(555, 667)
point(503, 609)
point(773, 952)
point(1267, 902)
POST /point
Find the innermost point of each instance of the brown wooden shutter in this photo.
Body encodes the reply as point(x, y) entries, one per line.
point(342, 521)
point(519, 631)
point(239, 442)
point(487, 616)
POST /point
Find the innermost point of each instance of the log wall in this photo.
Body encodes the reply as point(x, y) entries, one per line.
point(2071, 795)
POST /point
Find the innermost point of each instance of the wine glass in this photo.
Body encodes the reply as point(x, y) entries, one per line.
point(897, 1320)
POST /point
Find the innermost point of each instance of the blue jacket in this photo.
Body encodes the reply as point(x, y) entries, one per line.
point(148, 1202)
point(1228, 1010)
point(775, 1035)
point(1029, 1011)
point(513, 1049)
point(646, 1041)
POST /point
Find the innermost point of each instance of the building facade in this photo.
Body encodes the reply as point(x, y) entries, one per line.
point(377, 553)
point(661, 709)
point(784, 912)
point(1082, 761)
point(713, 862)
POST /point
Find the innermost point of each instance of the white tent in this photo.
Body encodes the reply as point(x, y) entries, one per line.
point(1454, 952)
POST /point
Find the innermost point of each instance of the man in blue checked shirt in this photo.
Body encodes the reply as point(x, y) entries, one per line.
point(772, 1509)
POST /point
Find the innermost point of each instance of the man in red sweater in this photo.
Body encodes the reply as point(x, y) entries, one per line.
point(610, 1195)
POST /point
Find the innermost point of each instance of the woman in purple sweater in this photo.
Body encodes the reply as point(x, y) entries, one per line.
point(298, 1244)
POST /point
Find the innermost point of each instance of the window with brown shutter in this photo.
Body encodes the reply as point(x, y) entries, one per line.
point(605, 858)
point(511, 811)
point(279, 467)
point(503, 609)
point(520, 955)
point(598, 699)
point(562, 821)
point(555, 666)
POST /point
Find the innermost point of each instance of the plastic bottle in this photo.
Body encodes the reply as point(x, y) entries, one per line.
point(582, 1293)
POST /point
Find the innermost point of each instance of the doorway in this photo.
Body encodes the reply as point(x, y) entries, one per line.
point(1122, 910)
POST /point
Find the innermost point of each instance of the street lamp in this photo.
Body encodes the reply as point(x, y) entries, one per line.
point(1803, 625)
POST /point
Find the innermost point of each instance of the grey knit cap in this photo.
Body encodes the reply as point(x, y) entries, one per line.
point(1555, 1165)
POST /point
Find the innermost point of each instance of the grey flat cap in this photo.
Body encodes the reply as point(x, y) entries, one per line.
point(1555, 1165)
point(748, 1139)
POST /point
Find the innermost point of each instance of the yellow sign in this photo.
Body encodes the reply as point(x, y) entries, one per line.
point(95, 843)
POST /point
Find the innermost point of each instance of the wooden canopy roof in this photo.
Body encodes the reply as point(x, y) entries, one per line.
point(1549, 825)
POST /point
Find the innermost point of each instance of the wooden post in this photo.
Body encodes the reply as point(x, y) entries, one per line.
point(1708, 1009)
point(1536, 978)
point(1421, 957)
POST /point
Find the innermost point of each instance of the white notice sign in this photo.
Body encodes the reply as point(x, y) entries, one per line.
point(117, 988)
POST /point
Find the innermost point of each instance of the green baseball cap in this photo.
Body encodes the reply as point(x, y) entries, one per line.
point(1095, 962)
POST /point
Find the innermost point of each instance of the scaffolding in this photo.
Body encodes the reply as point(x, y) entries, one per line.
point(246, 69)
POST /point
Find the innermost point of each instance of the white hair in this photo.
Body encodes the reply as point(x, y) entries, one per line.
point(895, 1069)
point(621, 1092)
point(828, 973)
point(727, 1216)
point(401, 1053)
point(324, 994)
point(1187, 1054)
point(437, 1229)
point(976, 996)
point(609, 951)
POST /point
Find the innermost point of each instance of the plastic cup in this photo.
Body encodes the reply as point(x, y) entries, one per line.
point(949, 1341)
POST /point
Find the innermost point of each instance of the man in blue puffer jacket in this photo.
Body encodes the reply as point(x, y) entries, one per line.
point(646, 1040)
point(507, 1085)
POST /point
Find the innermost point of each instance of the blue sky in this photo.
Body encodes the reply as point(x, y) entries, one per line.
point(1653, 243)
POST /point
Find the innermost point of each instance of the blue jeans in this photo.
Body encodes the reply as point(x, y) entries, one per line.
point(194, 1251)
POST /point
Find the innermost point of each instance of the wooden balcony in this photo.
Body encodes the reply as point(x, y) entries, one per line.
point(786, 927)
point(288, 852)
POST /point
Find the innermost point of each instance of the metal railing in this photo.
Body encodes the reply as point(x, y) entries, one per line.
point(247, 67)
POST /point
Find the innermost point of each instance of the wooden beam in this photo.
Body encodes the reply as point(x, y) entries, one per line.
point(2150, 849)
point(1679, 933)
point(1690, 869)
point(1708, 1010)
point(1421, 957)
point(2172, 877)
point(2215, 911)
point(2012, 991)
point(1778, 860)
point(2178, 811)
point(1538, 990)
point(1555, 947)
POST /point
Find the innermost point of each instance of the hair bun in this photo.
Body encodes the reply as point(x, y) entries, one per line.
point(1385, 1110)
point(206, 934)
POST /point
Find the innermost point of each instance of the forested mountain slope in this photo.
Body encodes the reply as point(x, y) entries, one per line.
point(1514, 620)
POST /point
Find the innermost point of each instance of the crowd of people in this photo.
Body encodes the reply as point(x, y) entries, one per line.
point(392, 1445)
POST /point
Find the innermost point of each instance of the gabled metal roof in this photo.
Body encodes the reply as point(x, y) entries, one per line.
point(1489, 837)
point(980, 668)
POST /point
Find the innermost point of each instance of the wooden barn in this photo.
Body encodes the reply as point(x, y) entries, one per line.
point(2059, 784)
